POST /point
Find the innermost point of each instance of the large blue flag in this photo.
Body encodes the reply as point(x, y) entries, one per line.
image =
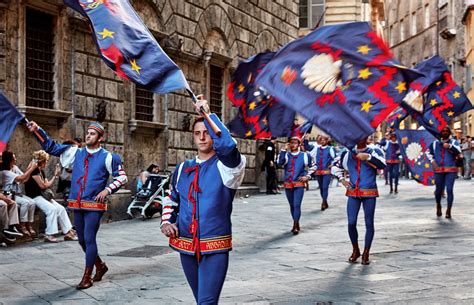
point(9, 118)
point(259, 115)
point(413, 146)
point(128, 47)
point(342, 78)
point(443, 98)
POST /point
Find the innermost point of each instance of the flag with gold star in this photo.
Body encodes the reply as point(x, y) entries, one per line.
point(443, 99)
point(413, 145)
point(259, 114)
point(342, 78)
point(127, 47)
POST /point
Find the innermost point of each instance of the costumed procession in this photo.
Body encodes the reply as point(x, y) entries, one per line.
point(274, 158)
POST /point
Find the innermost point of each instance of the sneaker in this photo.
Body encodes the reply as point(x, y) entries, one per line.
point(13, 231)
point(7, 237)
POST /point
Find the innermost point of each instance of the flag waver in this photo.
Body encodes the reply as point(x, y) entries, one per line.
point(346, 87)
point(127, 46)
point(9, 118)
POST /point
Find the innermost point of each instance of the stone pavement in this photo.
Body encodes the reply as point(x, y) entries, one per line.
point(417, 258)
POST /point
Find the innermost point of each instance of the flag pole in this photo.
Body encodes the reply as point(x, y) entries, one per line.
point(35, 132)
point(206, 116)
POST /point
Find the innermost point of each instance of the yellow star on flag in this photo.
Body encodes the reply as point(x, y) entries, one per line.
point(366, 106)
point(402, 86)
point(106, 33)
point(431, 122)
point(438, 83)
point(450, 113)
point(248, 134)
point(433, 182)
point(135, 66)
point(265, 121)
point(364, 73)
point(252, 105)
point(427, 165)
point(364, 49)
point(417, 176)
point(457, 94)
point(433, 102)
point(241, 88)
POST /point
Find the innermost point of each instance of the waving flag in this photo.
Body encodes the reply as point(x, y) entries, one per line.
point(396, 117)
point(413, 145)
point(127, 46)
point(260, 115)
point(443, 98)
point(342, 78)
point(9, 118)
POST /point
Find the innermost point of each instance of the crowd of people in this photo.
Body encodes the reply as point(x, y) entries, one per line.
point(25, 191)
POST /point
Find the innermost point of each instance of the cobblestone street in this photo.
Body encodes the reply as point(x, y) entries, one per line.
point(417, 258)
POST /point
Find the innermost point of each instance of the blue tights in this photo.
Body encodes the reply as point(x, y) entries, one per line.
point(353, 207)
point(87, 224)
point(393, 173)
point(295, 197)
point(206, 278)
point(323, 182)
point(445, 180)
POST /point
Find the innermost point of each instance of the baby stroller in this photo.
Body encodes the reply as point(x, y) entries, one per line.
point(148, 199)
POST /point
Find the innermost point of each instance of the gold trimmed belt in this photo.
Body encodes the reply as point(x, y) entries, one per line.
point(450, 169)
point(323, 172)
point(362, 193)
point(290, 185)
point(392, 161)
point(87, 205)
point(206, 244)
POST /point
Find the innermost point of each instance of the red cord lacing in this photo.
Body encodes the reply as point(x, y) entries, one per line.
point(83, 178)
point(193, 227)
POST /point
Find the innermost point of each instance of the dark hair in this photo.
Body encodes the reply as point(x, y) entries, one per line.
point(7, 158)
point(197, 120)
point(152, 167)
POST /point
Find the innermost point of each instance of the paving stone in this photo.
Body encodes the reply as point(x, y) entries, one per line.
point(416, 257)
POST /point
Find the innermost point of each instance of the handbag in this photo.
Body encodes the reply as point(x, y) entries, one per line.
point(48, 193)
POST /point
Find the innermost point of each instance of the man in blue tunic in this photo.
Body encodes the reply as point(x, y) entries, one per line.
point(91, 168)
point(197, 215)
point(442, 154)
point(362, 163)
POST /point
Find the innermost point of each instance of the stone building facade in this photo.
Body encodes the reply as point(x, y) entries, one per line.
point(50, 69)
point(468, 20)
point(419, 29)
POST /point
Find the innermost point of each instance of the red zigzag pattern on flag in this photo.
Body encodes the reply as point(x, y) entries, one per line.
point(446, 103)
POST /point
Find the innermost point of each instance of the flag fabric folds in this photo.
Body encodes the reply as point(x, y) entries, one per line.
point(413, 146)
point(342, 78)
point(127, 46)
point(443, 98)
point(396, 117)
point(9, 118)
point(259, 115)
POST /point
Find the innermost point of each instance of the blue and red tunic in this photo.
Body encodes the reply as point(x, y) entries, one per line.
point(201, 199)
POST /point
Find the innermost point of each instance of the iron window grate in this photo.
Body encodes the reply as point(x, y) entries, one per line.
point(39, 59)
point(144, 104)
point(215, 99)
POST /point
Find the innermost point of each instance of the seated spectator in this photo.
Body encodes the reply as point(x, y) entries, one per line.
point(64, 183)
point(8, 219)
point(35, 187)
point(152, 169)
point(12, 180)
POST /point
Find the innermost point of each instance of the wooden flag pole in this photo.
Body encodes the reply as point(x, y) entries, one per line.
point(35, 132)
point(206, 116)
